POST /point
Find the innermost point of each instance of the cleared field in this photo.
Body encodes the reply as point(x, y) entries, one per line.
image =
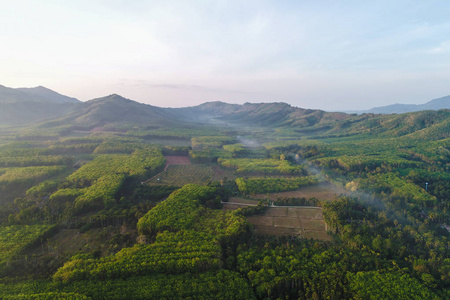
point(304, 222)
point(324, 191)
point(181, 174)
point(177, 160)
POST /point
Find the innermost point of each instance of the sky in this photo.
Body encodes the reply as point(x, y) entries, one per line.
point(330, 55)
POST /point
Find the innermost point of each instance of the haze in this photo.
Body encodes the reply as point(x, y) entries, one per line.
point(332, 55)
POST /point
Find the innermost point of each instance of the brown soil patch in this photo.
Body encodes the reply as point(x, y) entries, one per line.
point(310, 214)
point(292, 212)
point(287, 222)
point(277, 212)
point(305, 222)
point(313, 225)
point(270, 230)
point(177, 160)
point(261, 220)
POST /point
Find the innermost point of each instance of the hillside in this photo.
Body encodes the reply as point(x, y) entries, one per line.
point(117, 111)
point(266, 114)
point(320, 123)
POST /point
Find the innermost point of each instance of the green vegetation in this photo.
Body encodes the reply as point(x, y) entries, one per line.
point(199, 143)
point(16, 239)
point(272, 185)
point(264, 166)
point(89, 211)
point(176, 256)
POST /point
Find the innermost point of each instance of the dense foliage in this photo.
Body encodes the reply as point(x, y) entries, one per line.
point(272, 185)
point(263, 166)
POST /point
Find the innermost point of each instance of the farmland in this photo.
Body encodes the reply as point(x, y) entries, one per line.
point(301, 222)
point(179, 175)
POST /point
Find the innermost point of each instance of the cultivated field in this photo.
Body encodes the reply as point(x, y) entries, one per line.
point(304, 222)
point(179, 175)
point(179, 171)
point(177, 160)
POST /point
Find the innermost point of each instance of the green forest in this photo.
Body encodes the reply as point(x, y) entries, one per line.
point(97, 208)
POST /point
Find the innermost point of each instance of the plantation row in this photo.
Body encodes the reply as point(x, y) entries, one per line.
point(172, 257)
point(222, 284)
point(188, 255)
point(249, 186)
point(97, 184)
point(16, 239)
point(262, 166)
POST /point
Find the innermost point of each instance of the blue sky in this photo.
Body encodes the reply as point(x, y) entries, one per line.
point(332, 55)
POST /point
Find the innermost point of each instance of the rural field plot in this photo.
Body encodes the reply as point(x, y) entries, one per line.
point(177, 160)
point(305, 222)
point(181, 174)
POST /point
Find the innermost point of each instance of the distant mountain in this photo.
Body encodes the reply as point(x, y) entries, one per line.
point(31, 105)
point(38, 94)
point(436, 104)
point(269, 114)
point(116, 111)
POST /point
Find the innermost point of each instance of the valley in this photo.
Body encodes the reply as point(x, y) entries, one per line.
point(115, 199)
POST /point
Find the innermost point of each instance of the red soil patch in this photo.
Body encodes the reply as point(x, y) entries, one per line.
point(177, 160)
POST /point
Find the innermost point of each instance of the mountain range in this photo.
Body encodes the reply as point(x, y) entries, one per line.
point(435, 104)
point(48, 109)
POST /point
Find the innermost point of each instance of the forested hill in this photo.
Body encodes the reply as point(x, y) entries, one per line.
point(115, 109)
point(273, 114)
point(427, 124)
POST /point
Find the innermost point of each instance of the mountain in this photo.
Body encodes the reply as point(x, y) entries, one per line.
point(268, 114)
point(424, 123)
point(38, 94)
point(31, 105)
point(436, 104)
point(116, 111)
